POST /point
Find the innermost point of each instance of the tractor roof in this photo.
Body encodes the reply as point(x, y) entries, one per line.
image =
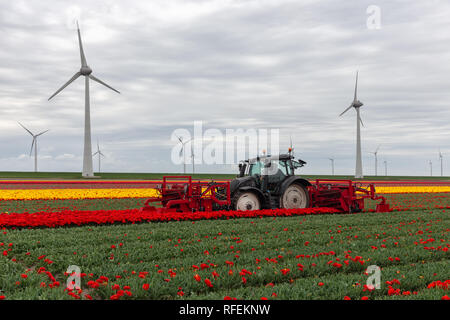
point(270, 157)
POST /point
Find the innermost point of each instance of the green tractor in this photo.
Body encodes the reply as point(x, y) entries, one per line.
point(269, 182)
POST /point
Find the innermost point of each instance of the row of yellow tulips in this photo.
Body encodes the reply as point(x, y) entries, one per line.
point(50, 194)
point(53, 194)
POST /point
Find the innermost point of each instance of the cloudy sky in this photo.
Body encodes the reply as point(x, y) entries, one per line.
point(272, 64)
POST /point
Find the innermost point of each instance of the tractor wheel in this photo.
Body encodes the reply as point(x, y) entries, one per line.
point(294, 197)
point(244, 201)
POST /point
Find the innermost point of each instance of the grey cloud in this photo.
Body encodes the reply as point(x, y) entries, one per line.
point(232, 64)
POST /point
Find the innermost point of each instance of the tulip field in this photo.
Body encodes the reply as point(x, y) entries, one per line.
point(123, 253)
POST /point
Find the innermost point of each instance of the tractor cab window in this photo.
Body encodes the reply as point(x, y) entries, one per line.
point(282, 167)
point(278, 171)
point(256, 168)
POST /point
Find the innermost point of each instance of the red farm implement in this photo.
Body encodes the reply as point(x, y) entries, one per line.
point(182, 194)
point(266, 182)
point(344, 195)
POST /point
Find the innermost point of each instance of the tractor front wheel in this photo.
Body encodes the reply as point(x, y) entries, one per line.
point(294, 197)
point(244, 201)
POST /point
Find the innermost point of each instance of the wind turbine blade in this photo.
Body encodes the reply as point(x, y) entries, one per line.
point(94, 153)
point(100, 81)
point(360, 120)
point(82, 56)
point(378, 148)
point(179, 138)
point(346, 110)
point(32, 144)
point(42, 133)
point(356, 85)
point(102, 154)
point(26, 129)
point(75, 76)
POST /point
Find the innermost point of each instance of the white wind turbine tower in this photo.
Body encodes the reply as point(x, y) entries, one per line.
point(441, 159)
point(182, 151)
point(85, 71)
point(375, 153)
point(385, 167)
point(100, 154)
point(193, 159)
point(357, 104)
point(431, 167)
point(33, 143)
point(332, 165)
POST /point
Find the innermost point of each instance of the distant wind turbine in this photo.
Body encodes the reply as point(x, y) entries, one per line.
point(357, 104)
point(441, 159)
point(332, 165)
point(183, 151)
point(431, 167)
point(85, 71)
point(375, 153)
point(100, 154)
point(34, 143)
point(193, 159)
point(385, 167)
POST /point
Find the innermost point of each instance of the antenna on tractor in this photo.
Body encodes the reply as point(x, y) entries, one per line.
point(291, 147)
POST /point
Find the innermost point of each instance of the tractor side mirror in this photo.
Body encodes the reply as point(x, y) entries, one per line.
point(242, 168)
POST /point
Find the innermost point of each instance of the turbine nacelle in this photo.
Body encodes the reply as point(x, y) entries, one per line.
point(85, 71)
point(357, 104)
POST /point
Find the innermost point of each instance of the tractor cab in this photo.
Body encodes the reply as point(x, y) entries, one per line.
point(276, 168)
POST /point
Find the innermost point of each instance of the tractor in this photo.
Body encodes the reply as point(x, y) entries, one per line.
point(269, 182)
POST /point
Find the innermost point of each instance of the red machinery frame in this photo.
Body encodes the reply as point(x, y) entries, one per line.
point(343, 194)
point(181, 193)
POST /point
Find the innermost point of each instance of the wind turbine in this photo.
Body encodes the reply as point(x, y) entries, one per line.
point(431, 167)
point(441, 158)
point(357, 104)
point(385, 167)
point(100, 154)
point(85, 71)
point(182, 151)
point(332, 165)
point(193, 159)
point(375, 153)
point(33, 143)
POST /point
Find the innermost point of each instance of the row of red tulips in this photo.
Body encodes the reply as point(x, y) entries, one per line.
point(63, 218)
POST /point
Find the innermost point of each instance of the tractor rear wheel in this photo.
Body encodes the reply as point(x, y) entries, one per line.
point(244, 201)
point(294, 197)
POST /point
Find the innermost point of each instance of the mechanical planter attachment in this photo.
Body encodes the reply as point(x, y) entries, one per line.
point(344, 195)
point(182, 194)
